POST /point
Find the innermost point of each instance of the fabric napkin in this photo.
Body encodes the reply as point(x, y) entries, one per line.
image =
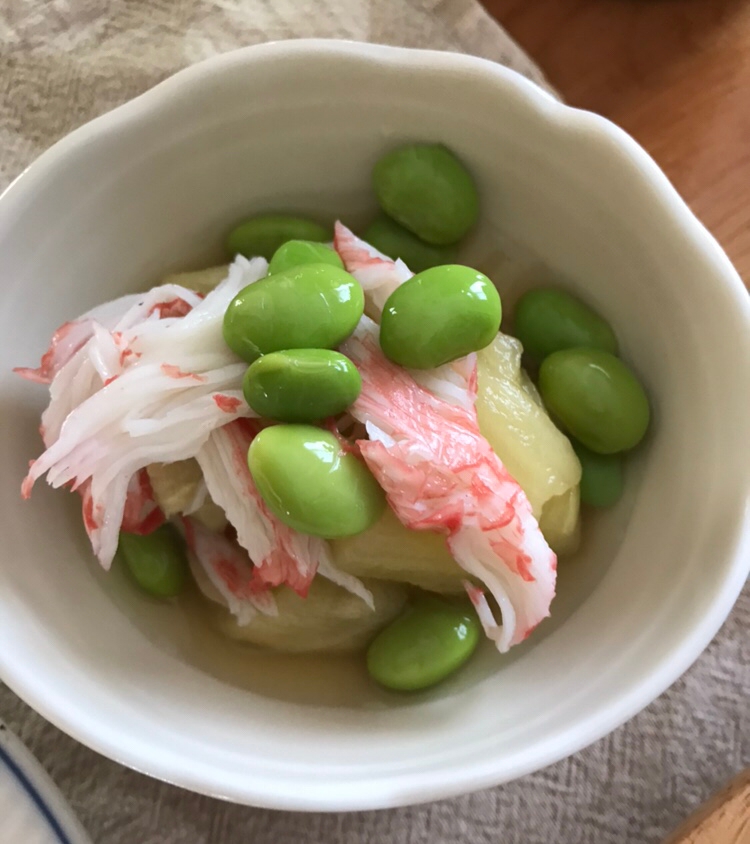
point(63, 62)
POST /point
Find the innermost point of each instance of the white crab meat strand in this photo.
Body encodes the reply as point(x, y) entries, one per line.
point(454, 383)
point(71, 336)
point(230, 571)
point(177, 382)
point(377, 274)
point(94, 364)
point(328, 569)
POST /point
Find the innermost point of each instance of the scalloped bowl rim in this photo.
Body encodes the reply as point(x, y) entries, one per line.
point(481, 772)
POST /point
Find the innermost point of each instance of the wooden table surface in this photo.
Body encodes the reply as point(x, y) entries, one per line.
point(675, 74)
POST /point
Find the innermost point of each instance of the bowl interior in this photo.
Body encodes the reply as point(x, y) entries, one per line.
point(152, 188)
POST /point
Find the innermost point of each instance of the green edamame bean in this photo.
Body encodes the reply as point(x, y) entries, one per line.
point(294, 253)
point(311, 483)
point(301, 385)
point(262, 236)
point(548, 320)
point(314, 306)
point(157, 561)
point(601, 477)
point(431, 640)
point(428, 190)
point(596, 397)
point(395, 241)
point(439, 315)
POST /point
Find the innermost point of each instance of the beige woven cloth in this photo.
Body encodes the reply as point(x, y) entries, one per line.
point(64, 61)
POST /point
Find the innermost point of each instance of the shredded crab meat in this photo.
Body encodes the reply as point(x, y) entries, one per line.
point(471, 506)
point(281, 555)
point(454, 383)
point(379, 276)
point(230, 571)
point(440, 474)
point(104, 353)
point(141, 513)
point(150, 387)
point(72, 336)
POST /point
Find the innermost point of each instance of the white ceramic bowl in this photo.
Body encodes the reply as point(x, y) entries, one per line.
point(152, 187)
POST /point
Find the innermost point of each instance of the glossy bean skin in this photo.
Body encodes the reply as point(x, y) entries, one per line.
point(601, 477)
point(295, 253)
point(426, 189)
point(395, 241)
point(263, 235)
point(548, 320)
point(313, 485)
point(157, 561)
point(596, 397)
point(428, 643)
point(439, 315)
point(313, 306)
point(301, 385)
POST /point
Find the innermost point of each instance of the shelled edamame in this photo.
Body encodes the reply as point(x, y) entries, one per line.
point(548, 320)
point(295, 253)
point(596, 397)
point(156, 561)
point(265, 234)
point(428, 202)
point(439, 315)
point(592, 394)
point(426, 189)
point(394, 240)
point(601, 477)
point(311, 484)
point(426, 644)
point(311, 306)
point(301, 385)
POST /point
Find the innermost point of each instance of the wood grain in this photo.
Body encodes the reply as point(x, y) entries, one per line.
point(675, 74)
point(725, 819)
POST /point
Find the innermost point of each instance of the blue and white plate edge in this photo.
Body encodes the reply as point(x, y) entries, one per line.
point(47, 799)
